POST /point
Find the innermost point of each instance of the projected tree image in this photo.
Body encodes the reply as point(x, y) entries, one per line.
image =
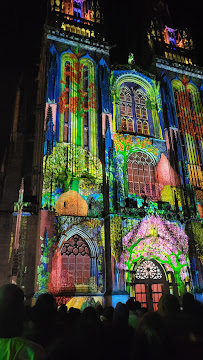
point(68, 164)
point(158, 239)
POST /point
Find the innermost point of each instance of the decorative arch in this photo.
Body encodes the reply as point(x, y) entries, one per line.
point(94, 250)
point(139, 80)
point(151, 270)
point(141, 112)
point(79, 255)
point(149, 282)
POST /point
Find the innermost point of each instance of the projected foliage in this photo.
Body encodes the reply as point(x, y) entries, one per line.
point(158, 239)
point(68, 164)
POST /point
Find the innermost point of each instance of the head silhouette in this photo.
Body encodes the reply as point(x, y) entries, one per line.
point(168, 304)
point(11, 311)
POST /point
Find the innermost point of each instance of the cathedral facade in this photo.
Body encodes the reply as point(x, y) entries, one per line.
point(121, 183)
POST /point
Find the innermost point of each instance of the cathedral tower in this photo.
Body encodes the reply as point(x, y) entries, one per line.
point(75, 56)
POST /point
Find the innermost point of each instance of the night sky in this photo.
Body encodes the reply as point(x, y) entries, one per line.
point(21, 30)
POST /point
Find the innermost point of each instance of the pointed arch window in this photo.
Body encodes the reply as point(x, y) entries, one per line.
point(139, 127)
point(130, 125)
point(123, 124)
point(125, 102)
point(76, 259)
point(140, 103)
point(145, 128)
point(86, 113)
point(138, 112)
point(127, 123)
point(141, 176)
point(67, 102)
point(141, 112)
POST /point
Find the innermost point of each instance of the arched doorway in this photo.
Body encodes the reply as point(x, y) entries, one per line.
point(148, 283)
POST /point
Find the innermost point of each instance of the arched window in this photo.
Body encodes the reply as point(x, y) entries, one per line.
point(141, 176)
point(141, 112)
point(76, 259)
point(148, 270)
point(67, 102)
point(130, 125)
point(140, 103)
point(139, 127)
point(127, 123)
point(138, 112)
point(125, 102)
point(123, 124)
point(86, 113)
point(145, 128)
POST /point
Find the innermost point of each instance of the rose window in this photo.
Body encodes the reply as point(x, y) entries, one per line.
point(148, 270)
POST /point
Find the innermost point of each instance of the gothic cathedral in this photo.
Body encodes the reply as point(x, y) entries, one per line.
point(120, 153)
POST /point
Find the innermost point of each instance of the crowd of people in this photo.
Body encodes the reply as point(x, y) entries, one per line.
point(128, 331)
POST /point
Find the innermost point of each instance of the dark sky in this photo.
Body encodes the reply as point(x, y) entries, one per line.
point(21, 28)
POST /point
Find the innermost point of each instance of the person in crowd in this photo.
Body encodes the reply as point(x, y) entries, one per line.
point(134, 311)
point(12, 345)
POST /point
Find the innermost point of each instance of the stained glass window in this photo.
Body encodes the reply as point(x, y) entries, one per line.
point(145, 128)
point(126, 109)
point(76, 259)
point(156, 295)
point(123, 124)
point(130, 125)
point(139, 127)
point(148, 270)
point(141, 176)
point(141, 112)
point(140, 294)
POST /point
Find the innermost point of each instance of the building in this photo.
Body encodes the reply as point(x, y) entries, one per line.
point(116, 186)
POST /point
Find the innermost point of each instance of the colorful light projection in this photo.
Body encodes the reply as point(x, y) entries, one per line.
point(76, 10)
point(42, 269)
point(144, 170)
point(78, 102)
point(125, 145)
point(189, 117)
point(72, 169)
point(156, 238)
point(137, 104)
point(77, 264)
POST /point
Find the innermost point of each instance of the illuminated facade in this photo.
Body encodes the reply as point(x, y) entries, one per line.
point(122, 190)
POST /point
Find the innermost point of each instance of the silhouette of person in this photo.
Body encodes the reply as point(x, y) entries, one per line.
point(12, 345)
